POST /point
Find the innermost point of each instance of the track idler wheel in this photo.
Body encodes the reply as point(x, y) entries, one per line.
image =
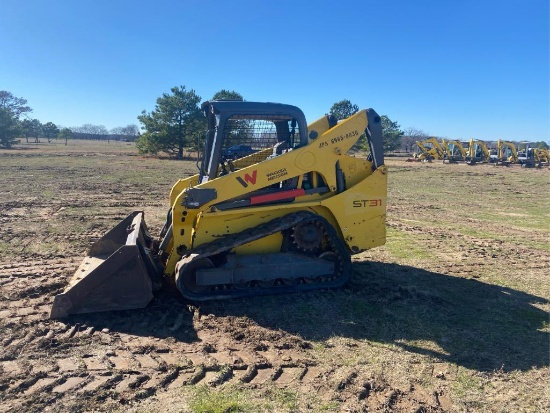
point(186, 275)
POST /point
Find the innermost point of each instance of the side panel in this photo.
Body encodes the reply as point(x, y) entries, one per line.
point(361, 212)
point(358, 214)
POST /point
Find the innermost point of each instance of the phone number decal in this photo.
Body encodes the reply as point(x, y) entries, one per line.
point(339, 138)
point(343, 137)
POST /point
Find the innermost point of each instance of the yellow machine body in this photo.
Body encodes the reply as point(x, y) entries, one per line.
point(285, 218)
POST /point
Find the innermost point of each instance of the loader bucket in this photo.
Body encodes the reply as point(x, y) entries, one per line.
point(117, 274)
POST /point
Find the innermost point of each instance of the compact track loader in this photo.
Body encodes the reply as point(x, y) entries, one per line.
point(285, 218)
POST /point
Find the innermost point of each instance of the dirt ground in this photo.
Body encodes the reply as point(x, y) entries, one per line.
point(450, 316)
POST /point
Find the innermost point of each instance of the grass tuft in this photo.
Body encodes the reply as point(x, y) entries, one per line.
point(226, 400)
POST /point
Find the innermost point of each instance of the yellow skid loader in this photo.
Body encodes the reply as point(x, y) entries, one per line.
point(284, 218)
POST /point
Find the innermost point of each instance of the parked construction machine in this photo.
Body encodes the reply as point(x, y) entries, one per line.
point(506, 153)
point(478, 152)
point(282, 219)
point(430, 149)
point(531, 157)
point(542, 156)
point(453, 151)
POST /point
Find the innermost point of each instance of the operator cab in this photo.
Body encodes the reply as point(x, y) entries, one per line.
point(242, 133)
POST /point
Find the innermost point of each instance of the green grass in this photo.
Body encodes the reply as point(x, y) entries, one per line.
point(405, 246)
point(284, 400)
point(329, 407)
point(236, 399)
point(9, 249)
point(227, 400)
point(468, 388)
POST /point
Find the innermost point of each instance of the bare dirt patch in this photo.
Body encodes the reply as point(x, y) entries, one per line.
point(451, 315)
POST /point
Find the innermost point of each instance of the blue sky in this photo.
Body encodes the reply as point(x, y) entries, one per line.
point(455, 69)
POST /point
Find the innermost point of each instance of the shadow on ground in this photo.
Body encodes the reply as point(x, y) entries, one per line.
point(476, 325)
point(167, 316)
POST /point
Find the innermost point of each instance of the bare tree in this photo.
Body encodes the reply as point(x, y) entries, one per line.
point(89, 131)
point(411, 136)
point(131, 130)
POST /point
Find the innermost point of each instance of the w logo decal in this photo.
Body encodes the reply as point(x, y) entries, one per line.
point(248, 179)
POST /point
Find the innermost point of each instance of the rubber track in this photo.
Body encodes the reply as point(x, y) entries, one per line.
point(229, 242)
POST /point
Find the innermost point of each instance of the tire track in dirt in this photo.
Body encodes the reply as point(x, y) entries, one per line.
point(127, 373)
point(109, 360)
point(122, 385)
point(38, 356)
point(119, 358)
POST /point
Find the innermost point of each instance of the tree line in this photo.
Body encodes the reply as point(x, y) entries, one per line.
point(177, 123)
point(100, 132)
point(16, 124)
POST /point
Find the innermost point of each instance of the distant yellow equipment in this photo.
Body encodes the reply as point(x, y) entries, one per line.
point(506, 153)
point(287, 217)
point(430, 149)
point(478, 153)
point(530, 157)
point(453, 151)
